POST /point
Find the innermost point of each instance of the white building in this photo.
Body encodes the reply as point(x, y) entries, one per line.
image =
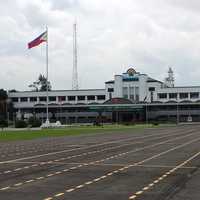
point(140, 87)
point(125, 98)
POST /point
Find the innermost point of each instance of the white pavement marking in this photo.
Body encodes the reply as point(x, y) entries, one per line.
point(135, 164)
point(97, 151)
point(116, 171)
point(18, 184)
point(106, 164)
point(5, 188)
point(165, 175)
point(60, 194)
point(81, 148)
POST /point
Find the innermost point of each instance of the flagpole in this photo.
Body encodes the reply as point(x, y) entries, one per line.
point(47, 77)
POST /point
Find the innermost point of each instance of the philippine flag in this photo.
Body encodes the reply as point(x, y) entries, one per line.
point(38, 40)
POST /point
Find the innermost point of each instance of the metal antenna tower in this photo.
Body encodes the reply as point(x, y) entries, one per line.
point(75, 72)
point(169, 81)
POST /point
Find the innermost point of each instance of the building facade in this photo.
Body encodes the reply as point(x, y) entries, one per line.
point(131, 96)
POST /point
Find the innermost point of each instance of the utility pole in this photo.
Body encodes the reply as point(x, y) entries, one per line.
point(47, 77)
point(177, 114)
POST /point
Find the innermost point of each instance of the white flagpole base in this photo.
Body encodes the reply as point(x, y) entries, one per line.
point(47, 121)
point(46, 124)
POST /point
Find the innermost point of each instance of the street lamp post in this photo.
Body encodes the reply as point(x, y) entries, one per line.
point(177, 113)
point(146, 113)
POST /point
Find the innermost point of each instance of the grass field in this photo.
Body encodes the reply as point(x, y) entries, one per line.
point(32, 134)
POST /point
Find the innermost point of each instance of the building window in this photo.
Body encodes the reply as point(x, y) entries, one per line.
point(62, 98)
point(81, 98)
point(162, 95)
point(42, 99)
point(101, 97)
point(194, 95)
point(125, 92)
point(71, 98)
point(151, 89)
point(183, 95)
point(15, 99)
point(91, 97)
point(131, 93)
point(110, 89)
point(33, 99)
point(173, 95)
point(137, 94)
point(52, 98)
point(24, 99)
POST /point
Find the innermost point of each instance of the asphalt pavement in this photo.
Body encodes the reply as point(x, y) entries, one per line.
point(150, 164)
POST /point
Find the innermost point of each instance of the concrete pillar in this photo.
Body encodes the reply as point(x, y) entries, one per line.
point(118, 86)
point(143, 87)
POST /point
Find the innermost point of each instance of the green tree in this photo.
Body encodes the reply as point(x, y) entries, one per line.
point(20, 124)
point(12, 91)
point(3, 104)
point(6, 108)
point(3, 94)
point(41, 84)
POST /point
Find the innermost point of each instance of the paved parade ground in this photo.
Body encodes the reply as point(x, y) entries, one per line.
point(143, 164)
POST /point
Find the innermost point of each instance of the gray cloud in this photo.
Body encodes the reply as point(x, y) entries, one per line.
point(192, 5)
point(64, 4)
point(150, 35)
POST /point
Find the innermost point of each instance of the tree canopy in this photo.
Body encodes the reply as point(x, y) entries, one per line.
point(40, 84)
point(3, 95)
point(3, 105)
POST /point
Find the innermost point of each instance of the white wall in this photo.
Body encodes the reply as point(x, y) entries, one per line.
point(179, 90)
point(143, 86)
point(118, 85)
point(57, 93)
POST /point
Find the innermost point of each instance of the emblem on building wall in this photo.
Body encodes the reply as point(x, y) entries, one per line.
point(131, 71)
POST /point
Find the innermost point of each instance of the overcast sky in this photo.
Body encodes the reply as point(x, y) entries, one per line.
point(150, 35)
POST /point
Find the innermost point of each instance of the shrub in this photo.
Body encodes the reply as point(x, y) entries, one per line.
point(34, 122)
point(155, 123)
point(96, 123)
point(3, 123)
point(128, 123)
point(20, 124)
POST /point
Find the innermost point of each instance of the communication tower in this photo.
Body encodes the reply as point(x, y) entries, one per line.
point(75, 72)
point(169, 81)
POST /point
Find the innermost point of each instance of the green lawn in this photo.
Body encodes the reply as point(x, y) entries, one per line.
point(32, 134)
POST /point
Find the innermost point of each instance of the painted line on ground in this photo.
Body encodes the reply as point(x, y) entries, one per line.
point(164, 176)
point(79, 155)
point(102, 160)
point(127, 167)
point(81, 148)
point(108, 164)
